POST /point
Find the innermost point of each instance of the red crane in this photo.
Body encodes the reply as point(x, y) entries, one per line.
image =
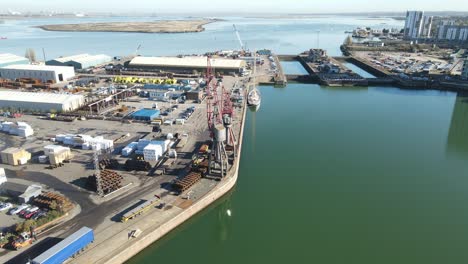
point(212, 98)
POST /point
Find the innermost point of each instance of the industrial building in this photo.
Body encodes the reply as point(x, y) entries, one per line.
point(187, 65)
point(81, 61)
point(195, 95)
point(146, 114)
point(42, 72)
point(159, 95)
point(41, 102)
point(22, 193)
point(7, 59)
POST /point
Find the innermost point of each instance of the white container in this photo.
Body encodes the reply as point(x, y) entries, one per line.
point(152, 152)
point(43, 159)
point(22, 161)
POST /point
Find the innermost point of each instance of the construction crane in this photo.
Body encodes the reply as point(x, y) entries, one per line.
point(454, 66)
point(239, 38)
point(137, 50)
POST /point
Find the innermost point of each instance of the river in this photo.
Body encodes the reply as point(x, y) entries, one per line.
point(327, 175)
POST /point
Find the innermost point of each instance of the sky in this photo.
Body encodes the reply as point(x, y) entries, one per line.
point(234, 6)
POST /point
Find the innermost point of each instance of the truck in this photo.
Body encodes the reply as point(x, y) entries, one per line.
point(69, 247)
point(23, 240)
point(140, 209)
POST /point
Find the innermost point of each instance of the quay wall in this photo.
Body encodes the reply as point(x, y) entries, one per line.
point(220, 190)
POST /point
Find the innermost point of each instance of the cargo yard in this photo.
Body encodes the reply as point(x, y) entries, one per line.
point(138, 150)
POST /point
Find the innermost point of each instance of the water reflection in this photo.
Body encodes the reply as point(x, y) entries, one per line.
point(457, 142)
point(225, 214)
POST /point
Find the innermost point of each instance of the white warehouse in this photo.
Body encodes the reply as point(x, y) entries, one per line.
point(42, 102)
point(42, 72)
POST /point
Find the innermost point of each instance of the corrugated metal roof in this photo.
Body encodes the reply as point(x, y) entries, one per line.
point(39, 97)
point(9, 58)
point(62, 245)
point(195, 62)
point(82, 58)
point(145, 113)
point(36, 67)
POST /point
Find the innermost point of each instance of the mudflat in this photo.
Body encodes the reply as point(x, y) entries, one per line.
point(162, 26)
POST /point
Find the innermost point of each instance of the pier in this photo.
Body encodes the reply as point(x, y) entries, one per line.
point(345, 76)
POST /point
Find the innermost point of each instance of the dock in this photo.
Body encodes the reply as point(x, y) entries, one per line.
point(342, 77)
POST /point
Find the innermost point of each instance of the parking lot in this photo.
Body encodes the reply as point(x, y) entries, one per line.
point(7, 220)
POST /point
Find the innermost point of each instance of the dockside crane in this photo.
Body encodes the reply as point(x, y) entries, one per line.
point(137, 50)
point(218, 156)
point(239, 38)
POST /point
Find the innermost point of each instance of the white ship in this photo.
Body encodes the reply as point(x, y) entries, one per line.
point(253, 97)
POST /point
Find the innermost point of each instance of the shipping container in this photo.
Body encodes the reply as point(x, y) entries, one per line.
point(67, 248)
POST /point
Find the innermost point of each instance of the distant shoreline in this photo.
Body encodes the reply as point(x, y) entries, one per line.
point(163, 26)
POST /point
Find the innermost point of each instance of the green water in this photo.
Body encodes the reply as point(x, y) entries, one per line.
point(345, 175)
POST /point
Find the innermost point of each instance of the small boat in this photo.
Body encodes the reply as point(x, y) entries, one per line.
point(3, 38)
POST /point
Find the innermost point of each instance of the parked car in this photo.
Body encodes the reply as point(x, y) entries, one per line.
point(31, 212)
point(39, 214)
point(18, 209)
point(5, 206)
point(24, 211)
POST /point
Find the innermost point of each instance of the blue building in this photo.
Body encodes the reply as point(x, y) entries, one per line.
point(81, 61)
point(146, 114)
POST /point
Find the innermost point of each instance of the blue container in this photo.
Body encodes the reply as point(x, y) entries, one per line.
point(67, 247)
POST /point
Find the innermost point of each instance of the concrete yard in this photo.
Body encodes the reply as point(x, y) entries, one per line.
point(103, 214)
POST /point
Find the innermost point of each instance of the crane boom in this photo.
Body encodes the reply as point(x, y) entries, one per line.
point(238, 37)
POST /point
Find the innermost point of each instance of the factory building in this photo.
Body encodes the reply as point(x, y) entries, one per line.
point(146, 114)
point(42, 102)
point(81, 61)
point(7, 59)
point(20, 192)
point(187, 65)
point(44, 73)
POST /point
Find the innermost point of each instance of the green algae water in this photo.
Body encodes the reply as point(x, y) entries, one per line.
point(339, 175)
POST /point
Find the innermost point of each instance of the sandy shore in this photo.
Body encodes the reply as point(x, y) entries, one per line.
point(163, 26)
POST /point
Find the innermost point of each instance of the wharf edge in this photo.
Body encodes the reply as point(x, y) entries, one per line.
point(219, 191)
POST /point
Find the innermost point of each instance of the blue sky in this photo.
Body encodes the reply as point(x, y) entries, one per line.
point(235, 6)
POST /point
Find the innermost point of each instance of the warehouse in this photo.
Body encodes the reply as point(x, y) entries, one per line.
point(42, 72)
point(188, 65)
point(41, 102)
point(145, 114)
point(20, 192)
point(81, 61)
point(7, 59)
